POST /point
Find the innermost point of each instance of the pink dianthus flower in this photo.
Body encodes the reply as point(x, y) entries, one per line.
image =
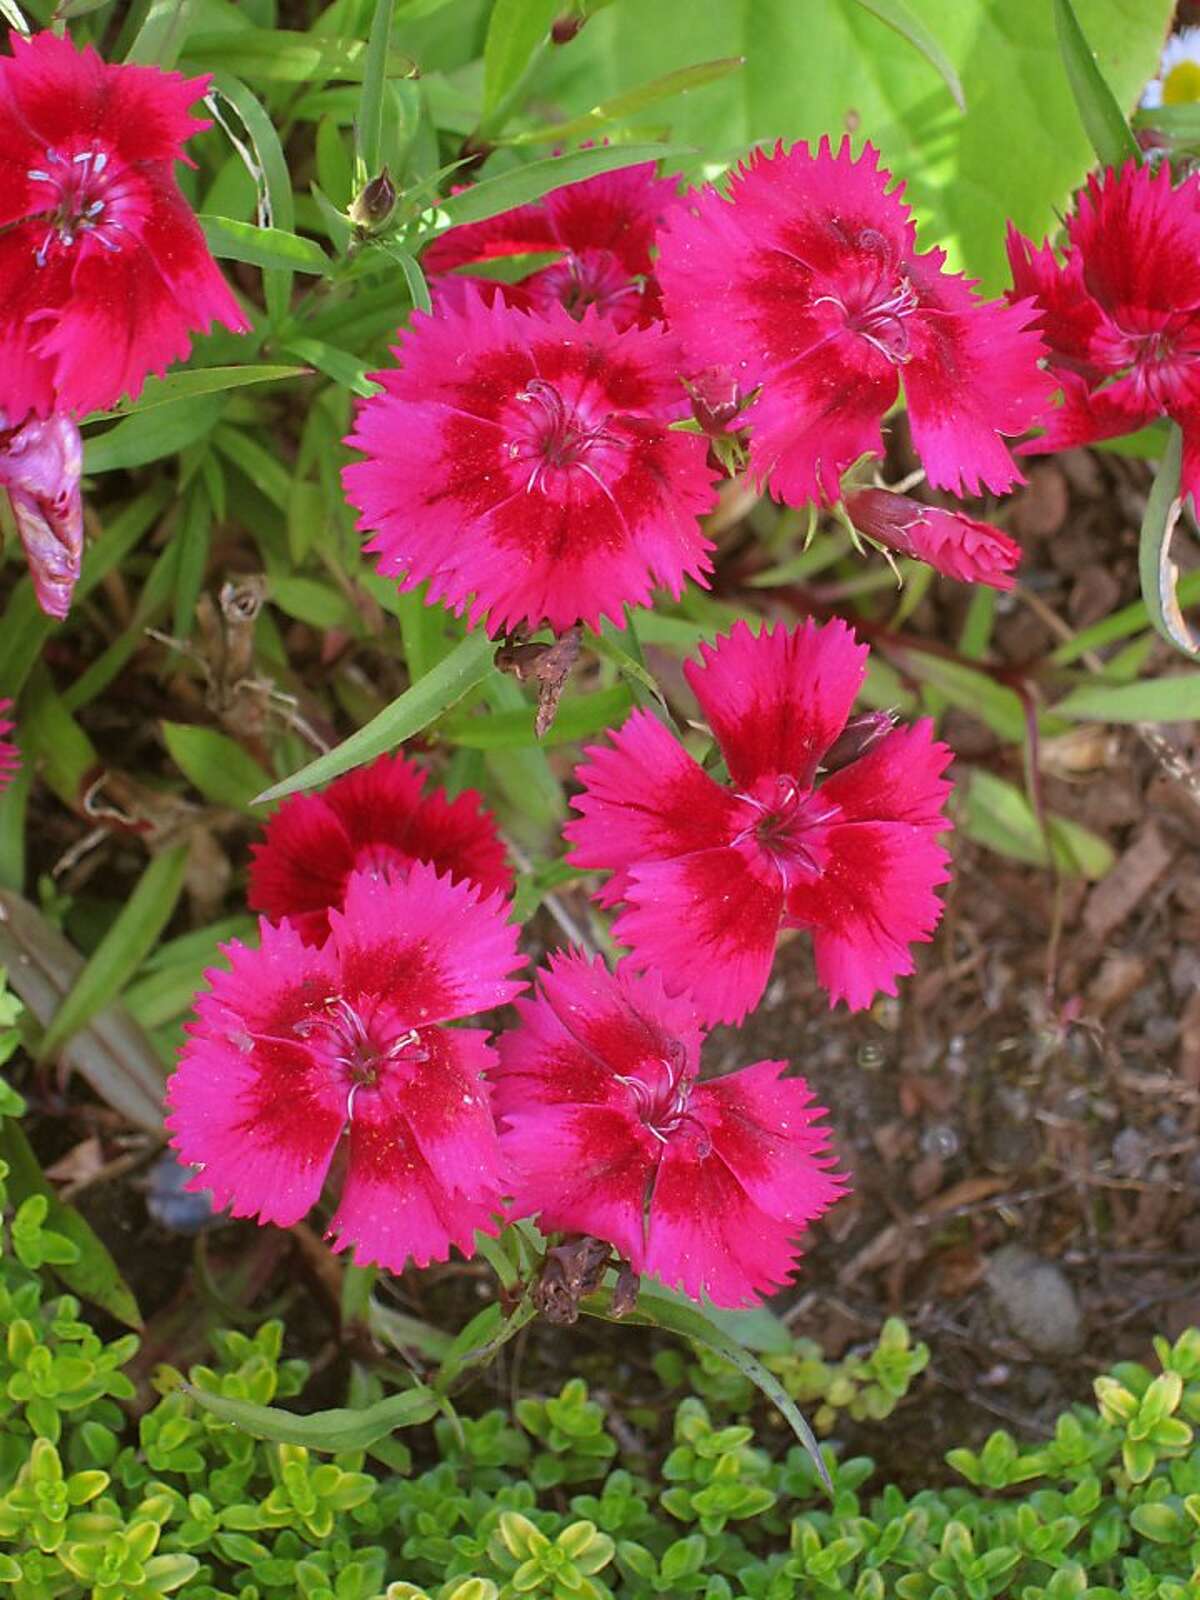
point(372, 819)
point(104, 272)
point(1120, 311)
point(709, 872)
point(609, 1132)
point(40, 467)
point(949, 541)
point(603, 231)
point(296, 1044)
point(10, 756)
point(524, 466)
point(806, 283)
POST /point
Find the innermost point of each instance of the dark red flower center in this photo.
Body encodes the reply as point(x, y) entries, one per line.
point(363, 1046)
point(589, 278)
point(556, 438)
point(878, 305)
point(783, 823)
point(75, 200)
point(660, 1090)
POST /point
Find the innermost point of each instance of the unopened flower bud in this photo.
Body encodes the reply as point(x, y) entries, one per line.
point(566, 27)
point(375, 204)
point(860, 734)
point(715, 398)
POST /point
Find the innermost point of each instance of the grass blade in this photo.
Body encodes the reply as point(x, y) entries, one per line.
point(1102, 118)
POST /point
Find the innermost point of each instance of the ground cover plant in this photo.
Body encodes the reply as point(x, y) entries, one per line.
point(551, 550)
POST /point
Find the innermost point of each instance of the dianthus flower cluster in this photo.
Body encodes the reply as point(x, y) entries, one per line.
point(531, 461)
point(104, 272)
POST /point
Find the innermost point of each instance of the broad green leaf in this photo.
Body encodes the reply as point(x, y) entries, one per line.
point(113, 1054)
point(148, 436)
point(655, 1311)
point(327, 1431)
point(467, 665)
point(491, 196)
point(311, 601)
point(683, 81)
point(997, 814)
point(119, 954)
point(201, 380)
point(369, 122)
point(1101, 115)
point(215, 764)
point(279, 55)
point(264, 247)
point(95, 1276)
point(898, 16)
point(517, 30)
point(1172, 699)
point(1157, 570)
point(833, 68)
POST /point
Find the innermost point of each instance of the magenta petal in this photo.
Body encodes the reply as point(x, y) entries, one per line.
point(1069, 320)
point(434, 949)
point(897, 780)
point(393, 1210)
point(300, 868)
point(708, 1238)
point(449, 1111)
point(768, 1132)
point(40, 466)
point(777, 700)
point(642, 798)
point(709, 923)
point(10, 756)
point(249, 1104)
point(1138, 236)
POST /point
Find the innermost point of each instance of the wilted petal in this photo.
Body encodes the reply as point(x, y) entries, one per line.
point(40, 466)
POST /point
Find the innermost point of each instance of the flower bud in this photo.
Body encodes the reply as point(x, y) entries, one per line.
point(376, 202)
point(715, 398)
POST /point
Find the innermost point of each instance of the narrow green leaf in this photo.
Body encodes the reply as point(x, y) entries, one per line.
point(268, 167)
point(757, 1328)
point(1156, 568)
point(280, 55)
point(113, 1054)
point(337, 364)
point(654, 1311)
point(162, 35)
point(898, 16)
point(95, 1276)
point(198, 381)
point(414, 278)
point(997, 814)
point(575, 718)
point(516, 30)
point(491, 196)
point(633, 101)
point(1102, 118)
point(467, 665)
point(264, 247)
point(51, 737)
point(1129, 619)
point(328, 1431)
point(121, 951)
point(370, 109)
point(11, 12)
point(1172, 699)
point(610, 644)
point(149, 436)
point(215, 764)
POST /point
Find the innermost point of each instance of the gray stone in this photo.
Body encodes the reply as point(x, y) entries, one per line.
point(1036, 1301)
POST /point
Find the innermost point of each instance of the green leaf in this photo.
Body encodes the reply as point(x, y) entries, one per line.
point(680, 82)
point(329, 1431)
point(264, 247)
point(113, 1054)
point(215, 764)
point(757, 1329)
point(370, 110)
point(94, 1276)
point(654, 1311)
point(121, 951)
point(516, 31)
point(898, 16)
point(1103, 120)
point(1158, 571)
point(491, 196)
point(148, 436)
point(268, 167)
point(162, 34)
point(575, 718)
point(414, 278)
point(966, 173)
point(280, 55)
point(997, 814)
point(201, 380)
point(11, 12)
point(467, 665)
point(1172, 699)
point(337, 364)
